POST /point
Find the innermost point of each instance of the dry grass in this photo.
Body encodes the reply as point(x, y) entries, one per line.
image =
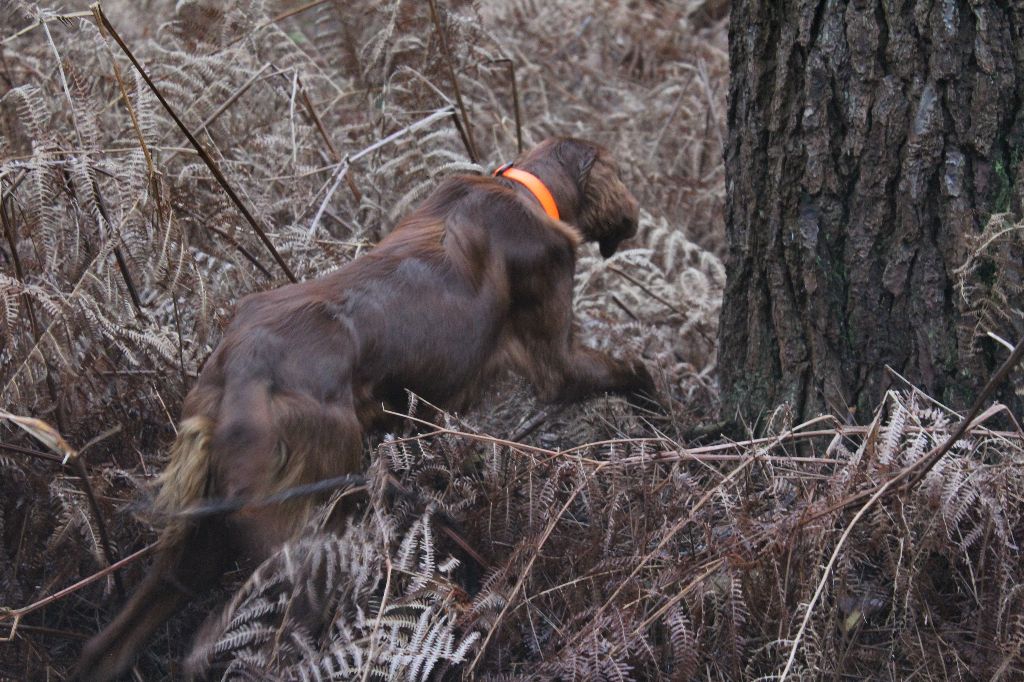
point(639, 556)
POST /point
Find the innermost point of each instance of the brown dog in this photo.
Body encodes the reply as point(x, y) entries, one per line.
point(478, 278)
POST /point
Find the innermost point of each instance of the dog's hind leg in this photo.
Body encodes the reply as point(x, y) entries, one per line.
point(182, 570)
point(312, 441)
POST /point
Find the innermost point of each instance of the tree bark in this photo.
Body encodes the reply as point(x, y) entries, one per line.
point(868, 141)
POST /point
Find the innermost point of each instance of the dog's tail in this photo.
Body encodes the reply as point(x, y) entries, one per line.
point(187, 478)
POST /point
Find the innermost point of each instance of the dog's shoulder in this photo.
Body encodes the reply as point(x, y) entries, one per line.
point(501, 209)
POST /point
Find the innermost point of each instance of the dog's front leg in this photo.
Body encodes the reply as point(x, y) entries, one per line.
point(561, 370)
point(581, 373)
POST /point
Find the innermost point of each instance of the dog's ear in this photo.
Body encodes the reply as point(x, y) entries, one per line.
point(578, 157)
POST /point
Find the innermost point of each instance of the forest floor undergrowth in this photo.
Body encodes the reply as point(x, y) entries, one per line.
point(513, 542)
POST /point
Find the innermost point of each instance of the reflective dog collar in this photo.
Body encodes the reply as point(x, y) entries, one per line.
point(532, 183)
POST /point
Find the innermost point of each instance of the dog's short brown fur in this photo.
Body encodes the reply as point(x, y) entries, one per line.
point(476, 279)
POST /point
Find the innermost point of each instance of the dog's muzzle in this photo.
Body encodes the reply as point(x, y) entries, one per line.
point(626, 229)
point(609, 246)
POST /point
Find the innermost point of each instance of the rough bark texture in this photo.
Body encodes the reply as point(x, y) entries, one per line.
point(867, 142)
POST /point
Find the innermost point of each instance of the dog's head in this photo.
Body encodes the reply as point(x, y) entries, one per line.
point(605, 211)
point(608, 212)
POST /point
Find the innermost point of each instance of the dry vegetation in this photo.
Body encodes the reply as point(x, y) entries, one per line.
point(608, 546)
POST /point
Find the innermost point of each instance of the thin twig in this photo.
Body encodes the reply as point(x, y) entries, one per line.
point(225, 105)
point(44, 19)
point(19, 613)
point(203, 154)
point(474, 156)
point(656, 144)
point(659, 299)
point(122, 263)
point(1000, 340)
point(466, 547)
point(411, 128)
point(480, 437)
point(335, 156)
point(215, 507)
point(625, 308)
point(925, 465)
point(341, 169)
point(99, 438)
point(462, 135)
point(828, 571)
point(532, 424)
point(241, 249)
point(48, 456)
point(135, 121)
point(341, 173)
point(280, 17)
point(79, 466)
point(52, 632)
point(242, 89)
point(705, 453)
point(919, 469)
point(64, 83)
point(515, 98)
point(645, 289)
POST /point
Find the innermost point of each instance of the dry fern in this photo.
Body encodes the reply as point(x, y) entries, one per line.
point(640, 559)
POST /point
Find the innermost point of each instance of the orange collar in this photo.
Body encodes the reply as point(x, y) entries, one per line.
point(532, 183)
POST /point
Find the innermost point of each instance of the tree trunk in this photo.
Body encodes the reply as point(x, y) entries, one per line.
point(868, 142)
